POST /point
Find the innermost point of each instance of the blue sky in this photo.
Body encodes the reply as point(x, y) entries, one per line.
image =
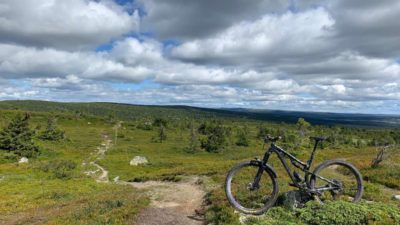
point(336, 56)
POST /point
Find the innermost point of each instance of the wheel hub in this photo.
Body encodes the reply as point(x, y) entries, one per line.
point(252, 187)
point(337, 187)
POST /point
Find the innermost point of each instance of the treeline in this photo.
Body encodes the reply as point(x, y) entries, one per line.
point(203, 134)
point(129, 112)
point(215, 135)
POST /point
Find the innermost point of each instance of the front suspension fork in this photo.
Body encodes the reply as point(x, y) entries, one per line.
point(256, 183)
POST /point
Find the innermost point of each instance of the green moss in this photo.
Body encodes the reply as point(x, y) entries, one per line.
point(344, 213)
point(332, 213)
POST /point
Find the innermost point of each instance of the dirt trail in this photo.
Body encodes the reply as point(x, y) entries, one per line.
point(172, 203)
point(101, 150)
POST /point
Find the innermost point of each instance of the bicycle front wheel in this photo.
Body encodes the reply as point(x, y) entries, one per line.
point(247, 197)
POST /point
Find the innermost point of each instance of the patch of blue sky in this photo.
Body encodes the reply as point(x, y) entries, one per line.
point(170, 43)
point(139, 35)
point(20, 83)
point(293, 7)
point(148, 83)
point(105, 47)
point(131, 6)
point(305, 95)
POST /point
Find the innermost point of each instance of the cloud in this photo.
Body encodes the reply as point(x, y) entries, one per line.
point(368, 27)
point(268, 40)
point(297, 55)
point(188, 19)
point(71, 25)
point(28, 62)
point(347, 66)
point(346, 78)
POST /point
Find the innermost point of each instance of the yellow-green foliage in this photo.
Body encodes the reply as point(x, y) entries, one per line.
point(331, 213)
point(52, 189)
point(28, 189)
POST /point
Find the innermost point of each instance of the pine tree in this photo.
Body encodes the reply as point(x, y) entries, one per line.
point(302, 126)
point(194, 144)
point(161, 134)
point(17, 137)
point(52, 132)
point(216, 139)
point(241, 136)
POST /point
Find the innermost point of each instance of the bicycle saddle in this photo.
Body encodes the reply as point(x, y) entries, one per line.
point(271, 138)
point(316, 138)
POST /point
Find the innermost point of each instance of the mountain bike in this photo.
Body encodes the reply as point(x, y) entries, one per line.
point(252, 186)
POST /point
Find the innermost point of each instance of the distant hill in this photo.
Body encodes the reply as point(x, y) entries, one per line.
point(132, 112)
point(324, 118)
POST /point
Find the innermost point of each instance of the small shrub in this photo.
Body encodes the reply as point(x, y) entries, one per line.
point(194, 144)
point(8, 157)
point(145, 126)
point(55, 195)
point(162, 135)
point(61, 169)
point(242, 139)
point(216, 139)
point(159, 122)
point(345, 213)
point(52, 132)
point(219, 212)
point(331, 213)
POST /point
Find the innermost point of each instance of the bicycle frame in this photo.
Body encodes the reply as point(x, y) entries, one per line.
point(298, 164)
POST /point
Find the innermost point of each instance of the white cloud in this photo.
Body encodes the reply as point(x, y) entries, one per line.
point(28, 62)
point(72, 24)
point(304, 59)
point(271, 39)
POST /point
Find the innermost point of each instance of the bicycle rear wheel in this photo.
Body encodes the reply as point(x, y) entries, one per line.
point(244, 196)
point(338, 180)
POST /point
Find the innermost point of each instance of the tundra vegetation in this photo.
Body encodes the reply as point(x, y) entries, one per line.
point(59, 138)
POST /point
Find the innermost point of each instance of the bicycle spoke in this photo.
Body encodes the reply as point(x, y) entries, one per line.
point(242, 191)
point(336, 182)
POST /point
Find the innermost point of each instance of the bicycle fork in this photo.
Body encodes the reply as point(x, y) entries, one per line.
point(256, 183)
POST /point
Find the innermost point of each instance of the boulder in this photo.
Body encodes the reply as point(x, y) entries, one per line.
point(23, 160)
point(295, 199)
point(138, 160)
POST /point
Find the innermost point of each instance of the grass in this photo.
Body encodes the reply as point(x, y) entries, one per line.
point(30, 194)
point(169, 159)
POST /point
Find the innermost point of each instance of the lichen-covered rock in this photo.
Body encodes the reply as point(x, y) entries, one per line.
point(295, 199)
point(23, 160)
point(138, 160)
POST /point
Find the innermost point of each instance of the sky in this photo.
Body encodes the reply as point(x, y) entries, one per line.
point(332, 55)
